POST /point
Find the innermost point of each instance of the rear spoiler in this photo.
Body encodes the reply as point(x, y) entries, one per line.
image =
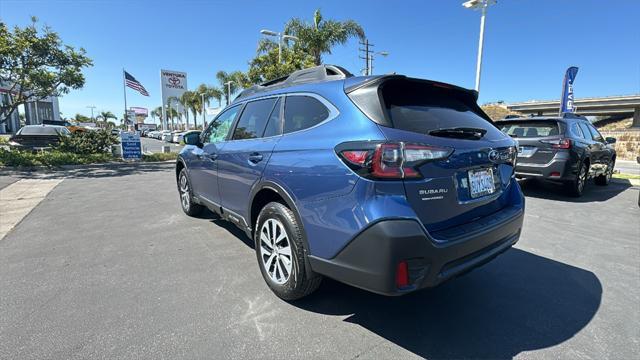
point(364, 93)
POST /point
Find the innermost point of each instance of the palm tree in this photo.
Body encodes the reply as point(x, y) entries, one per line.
point(105, 116)
point(238, 80)
point(185, 100)
point(319, 37)
point(157, 112)
point(174, 113)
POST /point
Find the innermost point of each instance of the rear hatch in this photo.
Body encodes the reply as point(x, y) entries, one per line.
point(472, 181)
point(536, 139)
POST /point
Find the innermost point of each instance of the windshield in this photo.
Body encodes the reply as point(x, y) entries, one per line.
point(43, 130)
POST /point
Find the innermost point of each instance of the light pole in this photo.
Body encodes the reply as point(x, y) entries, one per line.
point(204, 117)
point(228, 83)
point(280, 37)
point(370, 65)
point(91, 107)
point(482, 5)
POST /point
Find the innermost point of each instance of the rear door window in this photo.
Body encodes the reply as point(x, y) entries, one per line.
point(576, 131)
point(585, 131)
point(531, 129)
point(274, 125)
point(254, 119)
point(302, 112)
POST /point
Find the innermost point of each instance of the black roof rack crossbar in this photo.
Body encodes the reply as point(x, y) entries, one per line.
point(304, 76)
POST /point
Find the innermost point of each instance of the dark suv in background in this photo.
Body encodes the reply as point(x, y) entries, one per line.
point(566, 149)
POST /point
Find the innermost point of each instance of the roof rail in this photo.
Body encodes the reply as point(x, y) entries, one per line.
point(304, 76)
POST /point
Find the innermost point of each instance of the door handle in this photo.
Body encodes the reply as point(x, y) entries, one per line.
point(213, 156)
point(255, 157)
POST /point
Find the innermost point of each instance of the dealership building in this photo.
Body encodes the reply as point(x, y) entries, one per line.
point(35, 112)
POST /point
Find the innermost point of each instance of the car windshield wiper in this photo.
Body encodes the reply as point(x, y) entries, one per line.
point(459, 132)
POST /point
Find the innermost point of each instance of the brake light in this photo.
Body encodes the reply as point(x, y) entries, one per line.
point(402, 275)
point(395, 160)
point(563, 143)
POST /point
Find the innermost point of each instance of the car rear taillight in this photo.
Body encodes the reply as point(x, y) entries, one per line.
point(389, 160)
point(563, 143)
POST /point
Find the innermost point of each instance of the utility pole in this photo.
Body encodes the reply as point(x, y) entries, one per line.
point(367, 56)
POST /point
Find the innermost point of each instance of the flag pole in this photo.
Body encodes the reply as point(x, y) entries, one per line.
point(124, 90)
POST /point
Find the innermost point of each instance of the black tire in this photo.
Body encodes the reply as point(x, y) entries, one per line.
point(605, 179)
point(186, 200)
point(576, 187)
point(300, 281)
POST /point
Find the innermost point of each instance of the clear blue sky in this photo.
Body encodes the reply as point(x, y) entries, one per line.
point(528, 43)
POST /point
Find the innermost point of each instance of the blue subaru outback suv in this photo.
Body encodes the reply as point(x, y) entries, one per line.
point(388, 183)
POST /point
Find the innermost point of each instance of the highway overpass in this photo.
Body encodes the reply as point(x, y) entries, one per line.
point(596, 106)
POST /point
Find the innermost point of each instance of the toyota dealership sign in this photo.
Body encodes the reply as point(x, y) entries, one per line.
point(174, 83)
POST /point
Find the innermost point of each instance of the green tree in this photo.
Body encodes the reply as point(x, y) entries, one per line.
point(35, 64)
point(265, 66)
point(319, 37)
point(157, 112)
point(104, 117)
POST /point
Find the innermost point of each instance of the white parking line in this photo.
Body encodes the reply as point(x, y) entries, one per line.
point(18, 199)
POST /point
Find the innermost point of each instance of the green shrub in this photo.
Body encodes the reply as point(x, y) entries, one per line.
point(160, 156)
point(87, 142)
point(50, 158)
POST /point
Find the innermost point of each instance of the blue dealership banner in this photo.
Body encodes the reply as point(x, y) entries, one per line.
point(566, 102)
point(130, 143)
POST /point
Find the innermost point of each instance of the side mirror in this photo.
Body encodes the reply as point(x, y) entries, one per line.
point(610, 140)
point(192, 138)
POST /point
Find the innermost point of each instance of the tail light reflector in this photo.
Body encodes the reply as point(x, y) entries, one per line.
point(402, 275)
point(563, 143)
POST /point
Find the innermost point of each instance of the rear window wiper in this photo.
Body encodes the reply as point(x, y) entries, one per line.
point(459, 132)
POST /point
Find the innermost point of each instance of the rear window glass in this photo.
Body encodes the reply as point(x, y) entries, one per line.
point(302, 112)
point(43, 130)
point(421, 108)
point(531, 129)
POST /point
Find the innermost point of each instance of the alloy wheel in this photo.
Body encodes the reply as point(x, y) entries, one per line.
point(184, 192)
point(582, 177)
point(275, 251)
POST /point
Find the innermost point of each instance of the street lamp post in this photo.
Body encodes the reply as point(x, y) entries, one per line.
point(204, 117)
point(482, 5)
point(370, 65)
point(228, 83)
point(280, 37)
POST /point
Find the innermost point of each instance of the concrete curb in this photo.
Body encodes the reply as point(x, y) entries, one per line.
point(633, 182)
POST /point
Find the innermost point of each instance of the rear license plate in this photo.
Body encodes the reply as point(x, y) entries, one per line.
point(481, 182)
point(526, 151)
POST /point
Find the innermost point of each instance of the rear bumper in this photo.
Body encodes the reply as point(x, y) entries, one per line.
point(556, 169)
point(369, 261)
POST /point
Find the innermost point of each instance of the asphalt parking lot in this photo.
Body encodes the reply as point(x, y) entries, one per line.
point(108, 266)
point(155, 146)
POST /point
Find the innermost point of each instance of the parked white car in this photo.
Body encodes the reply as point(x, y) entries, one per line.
point(166, 136)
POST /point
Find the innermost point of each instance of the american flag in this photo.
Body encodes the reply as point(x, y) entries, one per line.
point(131, 82)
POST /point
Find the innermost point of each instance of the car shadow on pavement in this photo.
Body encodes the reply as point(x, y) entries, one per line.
point(228, 226)
point(519, 302)
point(592, 192)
